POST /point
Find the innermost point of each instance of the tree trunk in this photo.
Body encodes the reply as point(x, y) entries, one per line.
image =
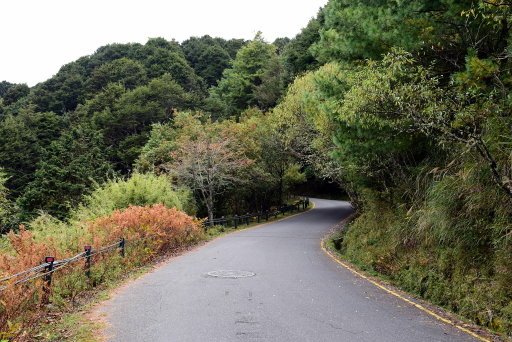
point(209, 207)
point(281, 187)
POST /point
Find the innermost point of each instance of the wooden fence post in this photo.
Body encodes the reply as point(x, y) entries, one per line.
point(49, 260)
point(122, 247)
point(87, 250)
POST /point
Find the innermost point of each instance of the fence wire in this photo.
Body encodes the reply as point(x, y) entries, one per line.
point(36, 271)
point(261, 214)
point(57, 265)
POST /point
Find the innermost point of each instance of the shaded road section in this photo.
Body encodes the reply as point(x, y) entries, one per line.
point(297, 293)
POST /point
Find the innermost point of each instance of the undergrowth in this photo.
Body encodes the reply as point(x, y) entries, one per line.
point(152, 233)
point(151, 229)
point(451, 250)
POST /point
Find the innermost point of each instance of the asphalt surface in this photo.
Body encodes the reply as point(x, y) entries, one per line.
point(297, 293)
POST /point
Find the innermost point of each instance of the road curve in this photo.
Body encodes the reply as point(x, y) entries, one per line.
point(297, 293)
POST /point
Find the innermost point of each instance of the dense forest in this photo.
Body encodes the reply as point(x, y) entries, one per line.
point(405, 106)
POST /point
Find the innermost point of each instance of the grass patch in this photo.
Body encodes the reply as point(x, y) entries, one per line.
point(375, 244)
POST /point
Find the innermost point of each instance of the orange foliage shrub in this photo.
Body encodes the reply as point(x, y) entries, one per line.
point(158, 227)
point(19, 300)
point(148, 232)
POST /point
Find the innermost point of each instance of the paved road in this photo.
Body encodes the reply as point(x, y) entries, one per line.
point(297, 293)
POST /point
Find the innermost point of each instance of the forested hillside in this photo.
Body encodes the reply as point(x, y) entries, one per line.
point(405, 106)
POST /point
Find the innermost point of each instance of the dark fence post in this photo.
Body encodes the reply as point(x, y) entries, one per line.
point(259, 217)
point(88, 261)
point(122, 247)
point(49, 260)
point(266, 215)
point(236, 221)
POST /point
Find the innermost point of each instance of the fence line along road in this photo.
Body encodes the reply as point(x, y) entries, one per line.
point(50, 265)
point(236, 220)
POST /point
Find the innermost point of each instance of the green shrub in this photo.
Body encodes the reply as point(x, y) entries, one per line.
point(140, 190)
point(450, 250)
point(150, 232)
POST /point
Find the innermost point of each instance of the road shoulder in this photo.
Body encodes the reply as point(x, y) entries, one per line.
point(440, 314)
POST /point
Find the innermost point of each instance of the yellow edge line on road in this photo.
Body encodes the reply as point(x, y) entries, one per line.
point(421, 307)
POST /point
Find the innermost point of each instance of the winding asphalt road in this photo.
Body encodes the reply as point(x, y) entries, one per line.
point(297, 293)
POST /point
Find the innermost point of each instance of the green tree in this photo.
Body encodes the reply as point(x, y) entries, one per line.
point(15, 92)
point(22, 139)
point(208, 161)
point(281, 44)
point(161, 57)
point(254, 64)
point(61, 93)
point(434, 30)
point(7, 208)
point(232, 46)
point(127, 123)
point(297, 55)
point(158, 149)
point(307, 131)
point(4, 86)
point(125, 71)
point(69, 168)
point(208, 57)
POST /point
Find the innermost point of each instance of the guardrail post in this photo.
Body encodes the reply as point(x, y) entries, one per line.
point(87, 250)
point(259, 217)
point(247, 219)
point(49, 260)
point(122, 247)
point(236, 221)
point(266, 215)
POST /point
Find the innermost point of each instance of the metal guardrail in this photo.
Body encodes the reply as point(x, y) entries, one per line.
point(236, 220)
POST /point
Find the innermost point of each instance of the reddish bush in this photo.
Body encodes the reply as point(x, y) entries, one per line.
point(148, 231)
point(157, 227)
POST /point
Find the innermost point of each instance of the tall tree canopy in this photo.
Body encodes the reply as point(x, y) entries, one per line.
point(68, 169)
point(210, 56)
point(254, 79)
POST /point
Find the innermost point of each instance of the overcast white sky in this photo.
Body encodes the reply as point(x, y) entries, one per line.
point(39, 36)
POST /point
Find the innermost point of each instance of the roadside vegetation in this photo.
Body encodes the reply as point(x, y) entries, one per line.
point(404, 105)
